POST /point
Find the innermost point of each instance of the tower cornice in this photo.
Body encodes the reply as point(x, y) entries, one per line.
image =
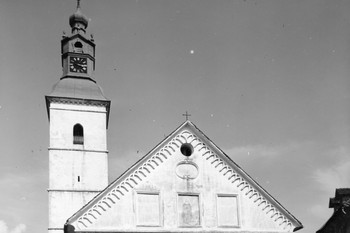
point(78, 101)
point(77, 54)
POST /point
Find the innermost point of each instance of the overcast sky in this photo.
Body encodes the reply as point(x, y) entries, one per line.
point(267, 81)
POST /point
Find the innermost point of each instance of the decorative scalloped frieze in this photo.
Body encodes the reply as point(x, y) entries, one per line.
point(158, 158)
point(79, 101)
point(243, 185)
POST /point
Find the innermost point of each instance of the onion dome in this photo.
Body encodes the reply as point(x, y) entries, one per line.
point(78, 19)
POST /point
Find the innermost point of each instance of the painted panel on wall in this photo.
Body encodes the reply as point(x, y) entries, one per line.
point(188, 209)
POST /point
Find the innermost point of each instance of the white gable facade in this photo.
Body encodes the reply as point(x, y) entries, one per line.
point(185, 184)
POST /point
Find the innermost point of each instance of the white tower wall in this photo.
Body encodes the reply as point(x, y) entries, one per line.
point(76, 172)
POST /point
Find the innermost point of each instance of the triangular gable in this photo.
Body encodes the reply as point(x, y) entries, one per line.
point(64, 40)
point(229, 170)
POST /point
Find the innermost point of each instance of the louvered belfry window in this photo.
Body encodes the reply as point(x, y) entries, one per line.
point(78, 134)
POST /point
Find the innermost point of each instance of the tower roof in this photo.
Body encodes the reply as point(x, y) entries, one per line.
point(77, 85)
point(79, 88)
point(78, 17)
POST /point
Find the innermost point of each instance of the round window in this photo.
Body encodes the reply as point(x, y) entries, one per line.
point(186, 149)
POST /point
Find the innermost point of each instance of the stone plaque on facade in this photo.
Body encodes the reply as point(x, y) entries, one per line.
point(148, 209)
point(187, 170)
point(227, 211)
point(188, 210)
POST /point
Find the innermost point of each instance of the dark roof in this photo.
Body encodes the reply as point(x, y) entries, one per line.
point(342, 191)
point(338, 223)
point(80, 88)
point(341, 195)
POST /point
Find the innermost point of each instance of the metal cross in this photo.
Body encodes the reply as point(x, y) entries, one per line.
point(186, 115)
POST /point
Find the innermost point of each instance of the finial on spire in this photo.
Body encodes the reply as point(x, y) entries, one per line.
point(78, 21)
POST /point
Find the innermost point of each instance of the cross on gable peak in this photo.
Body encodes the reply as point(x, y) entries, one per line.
point(187, 115)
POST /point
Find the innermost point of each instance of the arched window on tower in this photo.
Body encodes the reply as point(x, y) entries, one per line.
point(78, 47)
point(78, 134)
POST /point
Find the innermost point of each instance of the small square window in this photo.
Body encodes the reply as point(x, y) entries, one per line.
point(227, 211)
point(147, 209)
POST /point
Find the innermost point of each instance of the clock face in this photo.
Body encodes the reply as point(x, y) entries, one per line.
point(78, 64)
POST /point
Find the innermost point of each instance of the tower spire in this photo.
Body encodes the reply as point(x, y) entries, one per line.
point(78, 21)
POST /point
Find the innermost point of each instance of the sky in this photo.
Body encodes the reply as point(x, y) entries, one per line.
point(266, 80)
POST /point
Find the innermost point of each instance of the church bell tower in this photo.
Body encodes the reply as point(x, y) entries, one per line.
point(78, 115)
